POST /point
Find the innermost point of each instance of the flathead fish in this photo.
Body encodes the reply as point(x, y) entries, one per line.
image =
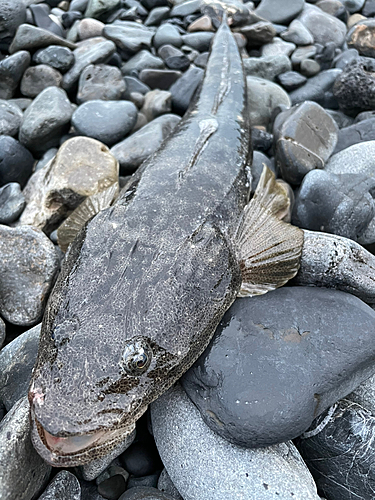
point(147, 280)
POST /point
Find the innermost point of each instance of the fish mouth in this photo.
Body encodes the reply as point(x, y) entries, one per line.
point(75, 450)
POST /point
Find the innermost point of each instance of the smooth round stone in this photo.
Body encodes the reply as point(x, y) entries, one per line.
point(16, 162)
point(143, 60)
point(323, 27)
point(106, 121)
point(157, 15)
point(69, 18)
point(141, 459)
point(145, 493)
point(60, 58)
point(133, 150)
point(362, 37)
point(225, 470)
point(135, 85)
point(18, 454)
point(199, 41)
point(358, 132)
point(11, 71)
point(64, 485)
point(263, 97)
point(30, 37)
point(12, 202)
point(174, 58)
point(353, 5)
point(17, 360)
point(183, 90)
point(10, 118)
point(354, 88)
point(338, 449)
point(298, 34)
point(334, 8)
point(37, 78)
point(82, 167)
point(268, 67)
point(334, 204)
point(46, 120)
point(291, 80)
point(98, 8)
point(317, 89)
point(159, 78)
point(166, 486)
point(259, 33)
point(167, 34)
point(130, 37)
point(309, 67)
point(279, 13)
point(113, 487)
point(12, 14)
point(277, 47)
point(357, 159)
point(302, 53)
point(93, 51)
point(203, 23)
point(30, 264)
point(100, 82)
point(89, 28)
point(296, 350)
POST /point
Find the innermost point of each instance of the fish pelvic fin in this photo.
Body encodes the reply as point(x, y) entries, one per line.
point(268, 248)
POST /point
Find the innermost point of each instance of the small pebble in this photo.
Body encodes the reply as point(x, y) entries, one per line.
point(12, 202)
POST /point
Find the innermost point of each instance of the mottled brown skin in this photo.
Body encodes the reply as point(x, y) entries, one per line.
point(158, 265)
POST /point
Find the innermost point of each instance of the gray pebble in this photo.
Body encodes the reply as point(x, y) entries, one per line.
point(98, 8)
point(323, 27)
point(167, 34)
point(12, 202)
point(23, 473)
point(185, 8)
point(174, 58)
point(340, 118)
point(12, 14)
point(89, 28)
point(47, 156)
point(166, 486)
point(129, 36)
point(259, 160)
point(100, 81)
point(30, 264)
point(10, 118)
point(183, 90)
point(37, 78)
point(11, 71)
point(317, 88)
point(309, 67)
point(297, 33)
point(150, 481)
point(291, 80)
point(60, 58)
point(159, 78)
point(16, 162)
point(22, 102)
point(157, 15)
point(132, 151)
point(259, 33)
point(357, 159)
point(45, 120)
point(277, 47)
point(199, 41)
point(268, 67)
point(362, 131)
point(145, 493)
point(64, 486)
point(30, 37)
point(302, 53)
point(215, 469)
point(143, 60)
point(279, 13)
point(106, 121)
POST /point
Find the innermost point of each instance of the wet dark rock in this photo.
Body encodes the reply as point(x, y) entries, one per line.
point(12, 14)
point(45, 120)
point(100, 81)
point(278, 13)
point(323, 27)
point(174, 58)
point(167, 34)
point(37, 78)
point(98, 9)
point(135, 85)
point(141, 459)
point(42, 20)
point(358, 132)
point(10, 118)
point(29, 268)
point(131, 152)
point(337, 449)
point(297, 33)
point(143, 60)
point(150, 481)
point(129, 36)
point(307, 350)
point(113, 487)
point(183, 90)
point(12, 202)
point(291, 80)
point(259, 33)
point(17, 360)
point(93, 51)
point(157, 15)
point(106, 121)
point(318, 89)
point(261, 139)
point(362, 37)
point(201, 60)
point(268, 67)
point(259, 160)
point(150, 4)
point(64, 485)
point(354, 88)
point(145, 493)
point(199, 41)
point(60, 58)
point(159, 78)
point(16, 162)
point(30, 37)
point(18, 454)
point(11, 71)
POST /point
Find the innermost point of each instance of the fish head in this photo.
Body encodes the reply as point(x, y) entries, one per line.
point(110, 348)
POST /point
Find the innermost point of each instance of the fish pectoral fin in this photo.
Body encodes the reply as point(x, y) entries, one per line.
point(268, 249)
point(91, 206)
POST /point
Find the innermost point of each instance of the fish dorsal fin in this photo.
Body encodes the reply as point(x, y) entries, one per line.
point(268, 249)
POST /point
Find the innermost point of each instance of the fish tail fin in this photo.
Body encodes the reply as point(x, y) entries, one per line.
point(268, 248)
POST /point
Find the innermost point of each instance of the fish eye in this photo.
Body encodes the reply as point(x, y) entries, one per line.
point(136, 357)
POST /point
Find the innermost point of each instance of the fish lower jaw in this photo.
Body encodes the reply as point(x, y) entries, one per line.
point(75, 450)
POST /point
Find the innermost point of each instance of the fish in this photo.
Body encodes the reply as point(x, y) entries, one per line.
point(146, 281)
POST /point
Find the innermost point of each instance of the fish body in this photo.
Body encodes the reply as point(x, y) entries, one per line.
point(146, 281)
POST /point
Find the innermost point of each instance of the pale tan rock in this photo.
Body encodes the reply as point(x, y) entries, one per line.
point(203, 23)
point(81, 168)
point(354, 19)
point(89, 28)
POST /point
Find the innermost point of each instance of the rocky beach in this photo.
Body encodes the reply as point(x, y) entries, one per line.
point(281, 404)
